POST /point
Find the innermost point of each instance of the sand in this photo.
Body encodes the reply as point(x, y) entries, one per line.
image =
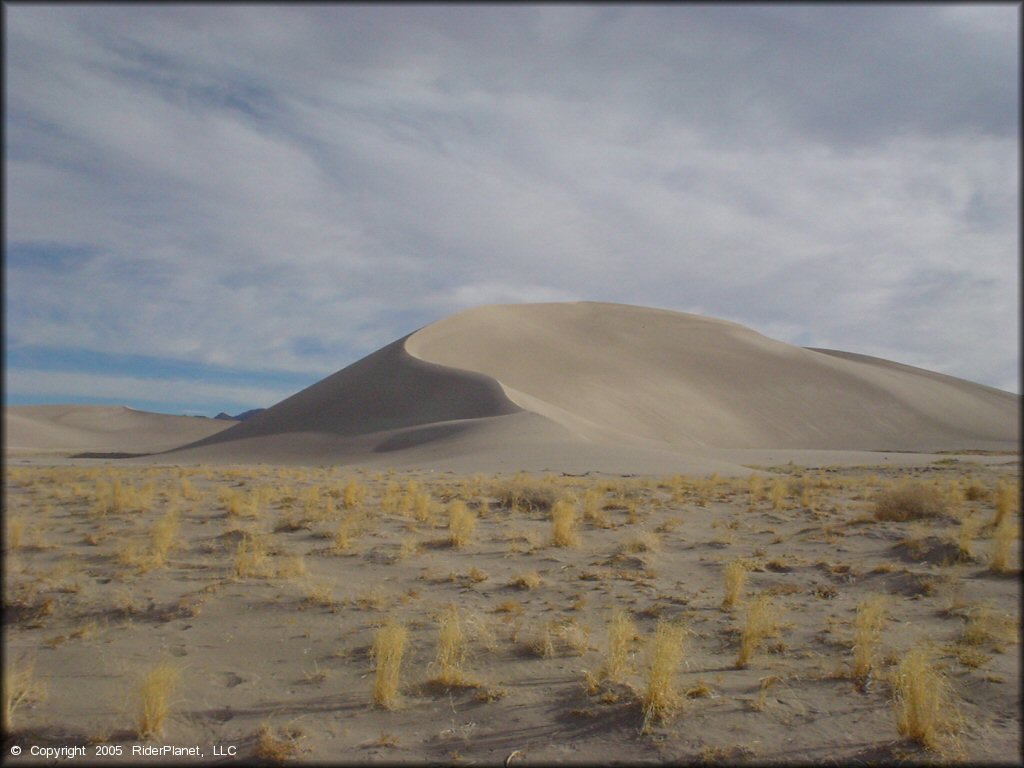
point(571, 387)
point(277, 661)
point(62, 430)
point(650, 425)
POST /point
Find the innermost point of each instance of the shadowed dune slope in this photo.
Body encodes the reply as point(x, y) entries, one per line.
point(615, 377)
point(386, 391)
point(80, 428)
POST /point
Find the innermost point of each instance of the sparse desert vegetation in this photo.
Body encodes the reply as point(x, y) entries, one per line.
point(472, 601)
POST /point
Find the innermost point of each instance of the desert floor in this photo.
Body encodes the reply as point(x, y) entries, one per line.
point(258, 593)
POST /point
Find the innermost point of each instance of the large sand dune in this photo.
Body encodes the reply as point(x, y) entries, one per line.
point(578, 386)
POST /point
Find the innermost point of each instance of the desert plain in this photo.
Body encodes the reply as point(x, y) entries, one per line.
point(566, 533)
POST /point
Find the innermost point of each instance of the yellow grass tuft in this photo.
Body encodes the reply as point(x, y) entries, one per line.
point(621, 635)
point(954, 496)
point(461, 523)
point(762, 622)
point(388, 649)
point(343, 534)
point(965, 536)
point(735, 578)
point(911, 500)
point(524, 494)
point(154, 697)
point(20, 688)
point(1002, 546)
point(15, 531)
point(527, 580)
point(451, 650)
point(563, 524)
point(422, 508)
point(162, 536)
point(592, 511)
point(924, 704)
point(251, 557)
point(541, 641)
point(1006, 502)
point(353, 494)
point(272, 747)
point(756, 486)
point(778, 493)
point(987, 626)
point(867, 630)
point(661, 697)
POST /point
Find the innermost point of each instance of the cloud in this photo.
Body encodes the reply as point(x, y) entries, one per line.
point(288, 188)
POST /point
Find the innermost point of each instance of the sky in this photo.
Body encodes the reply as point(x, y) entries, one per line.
point(209, 208)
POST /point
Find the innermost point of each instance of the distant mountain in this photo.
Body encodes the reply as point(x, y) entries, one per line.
point(240, 417)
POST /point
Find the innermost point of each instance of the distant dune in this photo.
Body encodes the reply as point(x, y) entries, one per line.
point(69, 429)
point(578, 386)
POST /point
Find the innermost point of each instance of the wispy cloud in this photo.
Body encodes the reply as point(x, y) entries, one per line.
point(284, 189)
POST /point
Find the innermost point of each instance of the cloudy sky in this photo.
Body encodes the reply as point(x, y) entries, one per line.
point(211, 207)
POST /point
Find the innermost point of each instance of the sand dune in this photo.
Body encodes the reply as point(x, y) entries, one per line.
point(70, 429)
point(573, 386)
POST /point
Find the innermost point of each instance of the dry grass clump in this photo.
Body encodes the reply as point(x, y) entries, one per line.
point(762, 622)
point(523, 494)
point(451, 651)
point(987, 626)
point(528, 580)
point(923, 698)
point(645, 541)
point(321, 593)
point(591, 503)
point(911, 500)
point(154, 697)
point(237, 502)
point(661, 697)
point(343, 533)
point(388, 649)
point(422, 507)
point(548, 638)
point(735, 578)
point(111, 496)
point(1002, 545)
point(15, 532)
point(563, 524)
point(275, 748)
point(540, 642)
point(621, 636)
point(461, 523)
point(1007, 496)
point(162, 536)
point(755, 484)
point(975, 491)
point(251, 558)
point(352, 494)
point(20, 688)
point(778, 493)
point(965, 536)
point(867, 630)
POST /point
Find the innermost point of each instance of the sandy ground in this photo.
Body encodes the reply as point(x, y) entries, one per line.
point(256, 567)
point(276, 662)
